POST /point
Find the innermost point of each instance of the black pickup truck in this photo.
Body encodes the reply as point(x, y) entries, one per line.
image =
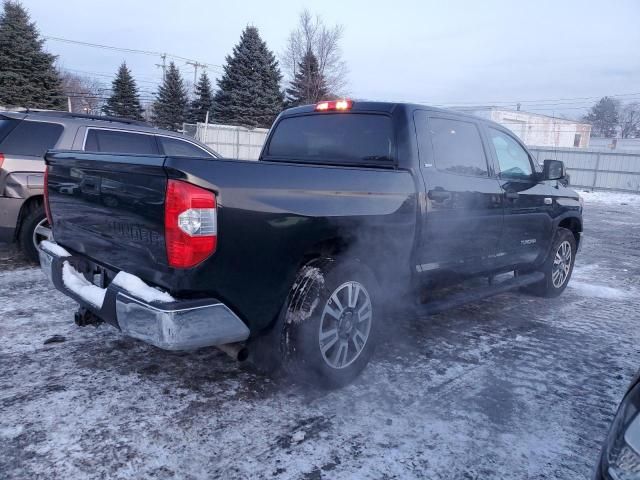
point(351, 206)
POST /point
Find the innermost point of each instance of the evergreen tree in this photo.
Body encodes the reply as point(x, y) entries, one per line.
point(309, 85)
point(124, 100)
point(28, 77)
point(604, 116)
point(249, 90)
point(170, 107)
point(203, 101)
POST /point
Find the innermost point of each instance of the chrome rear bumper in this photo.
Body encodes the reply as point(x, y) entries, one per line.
point(179, 328)
point(174, 325)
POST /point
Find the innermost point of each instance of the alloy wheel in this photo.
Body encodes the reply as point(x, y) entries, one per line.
point(345, 324)
point(561, 264)
point(42, 232)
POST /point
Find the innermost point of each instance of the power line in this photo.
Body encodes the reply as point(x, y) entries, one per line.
point(109, 75)
point(130, 50)
point(557, 101)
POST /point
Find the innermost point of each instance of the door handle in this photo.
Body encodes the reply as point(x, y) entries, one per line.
point(439, 195)
point(511, 195)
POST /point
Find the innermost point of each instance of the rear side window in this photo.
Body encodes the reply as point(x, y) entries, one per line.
point(174, 147)
point(113, 141)
point(6, 125)
point(31, 139)
point(349, 138)
point(457, 147)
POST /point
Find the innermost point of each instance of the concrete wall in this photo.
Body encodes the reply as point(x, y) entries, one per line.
point(535, 129)
point(542, 130)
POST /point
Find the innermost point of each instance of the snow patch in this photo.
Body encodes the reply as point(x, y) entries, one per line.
point(298, 436)
point(311, 277)
point(135, 286)
point(597, 291)
point(79, 285)
point(610, 198)
point(54, 248)
point(11, 431)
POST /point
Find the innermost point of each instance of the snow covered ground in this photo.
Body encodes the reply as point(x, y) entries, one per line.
point(511, 387)
point(610, 198)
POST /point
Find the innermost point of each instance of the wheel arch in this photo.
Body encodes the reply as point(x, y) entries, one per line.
point(28, 206)
point(340, 249)
point(573, 224)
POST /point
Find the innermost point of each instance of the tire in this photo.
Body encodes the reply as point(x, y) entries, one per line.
point(554, 283)
point(33, 229)
point(329, 323)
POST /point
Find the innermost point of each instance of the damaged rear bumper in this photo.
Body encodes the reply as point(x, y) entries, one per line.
point(170, 325)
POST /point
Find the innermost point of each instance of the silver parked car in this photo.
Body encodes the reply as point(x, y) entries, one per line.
point(26, 136)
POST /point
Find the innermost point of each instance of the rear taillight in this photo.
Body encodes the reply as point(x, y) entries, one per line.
point(190, 224)
point(1, 159)
point(45, 186)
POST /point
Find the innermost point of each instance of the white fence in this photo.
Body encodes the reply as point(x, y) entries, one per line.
point(231, 141)
point(594, 168)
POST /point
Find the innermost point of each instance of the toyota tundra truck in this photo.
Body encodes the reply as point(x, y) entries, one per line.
point(352, 208)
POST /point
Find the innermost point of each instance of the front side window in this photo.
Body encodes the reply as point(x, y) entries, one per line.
point(174, 147)
point(112, 141)
point(457, 147)
point(513, 160)
point(32, 139)
point(346, 138)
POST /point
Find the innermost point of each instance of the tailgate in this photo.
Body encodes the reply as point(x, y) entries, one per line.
point(110, 207)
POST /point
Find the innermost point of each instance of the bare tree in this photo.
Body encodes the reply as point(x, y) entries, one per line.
point(312, 34)
point(630, 120)
point(87, 94)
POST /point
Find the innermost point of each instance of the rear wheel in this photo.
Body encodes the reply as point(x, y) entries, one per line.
point(558, 266)
point(33, 230)
point(330, 323)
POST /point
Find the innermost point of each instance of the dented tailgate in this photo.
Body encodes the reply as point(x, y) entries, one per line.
point(109, 209)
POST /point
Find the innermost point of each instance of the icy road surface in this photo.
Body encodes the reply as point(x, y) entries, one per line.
point(513, 387)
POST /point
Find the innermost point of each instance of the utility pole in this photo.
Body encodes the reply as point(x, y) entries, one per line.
point(163, 65)
point(195, 72)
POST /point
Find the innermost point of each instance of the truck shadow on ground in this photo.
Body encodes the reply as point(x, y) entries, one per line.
point(421, 347)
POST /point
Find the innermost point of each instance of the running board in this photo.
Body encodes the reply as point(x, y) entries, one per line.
point(476, 294)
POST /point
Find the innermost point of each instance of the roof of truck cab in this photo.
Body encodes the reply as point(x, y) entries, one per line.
point(385, 107)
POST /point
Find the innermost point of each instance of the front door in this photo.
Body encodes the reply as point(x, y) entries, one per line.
point(528, 202)
point(463, 224)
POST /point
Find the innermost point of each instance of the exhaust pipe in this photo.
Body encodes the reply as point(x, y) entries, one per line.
point(237, 351)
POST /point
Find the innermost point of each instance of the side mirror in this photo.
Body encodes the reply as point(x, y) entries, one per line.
point(553, 170)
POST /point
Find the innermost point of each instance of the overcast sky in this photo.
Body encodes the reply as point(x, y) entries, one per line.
point(434, 52)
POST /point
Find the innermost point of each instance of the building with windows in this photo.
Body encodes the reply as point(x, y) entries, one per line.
point(535, 129)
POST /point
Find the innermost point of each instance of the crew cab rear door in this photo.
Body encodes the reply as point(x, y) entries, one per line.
point(463, 223)
point(528, 202)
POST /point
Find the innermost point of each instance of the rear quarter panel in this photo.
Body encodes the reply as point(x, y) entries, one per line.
point(275, 216)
